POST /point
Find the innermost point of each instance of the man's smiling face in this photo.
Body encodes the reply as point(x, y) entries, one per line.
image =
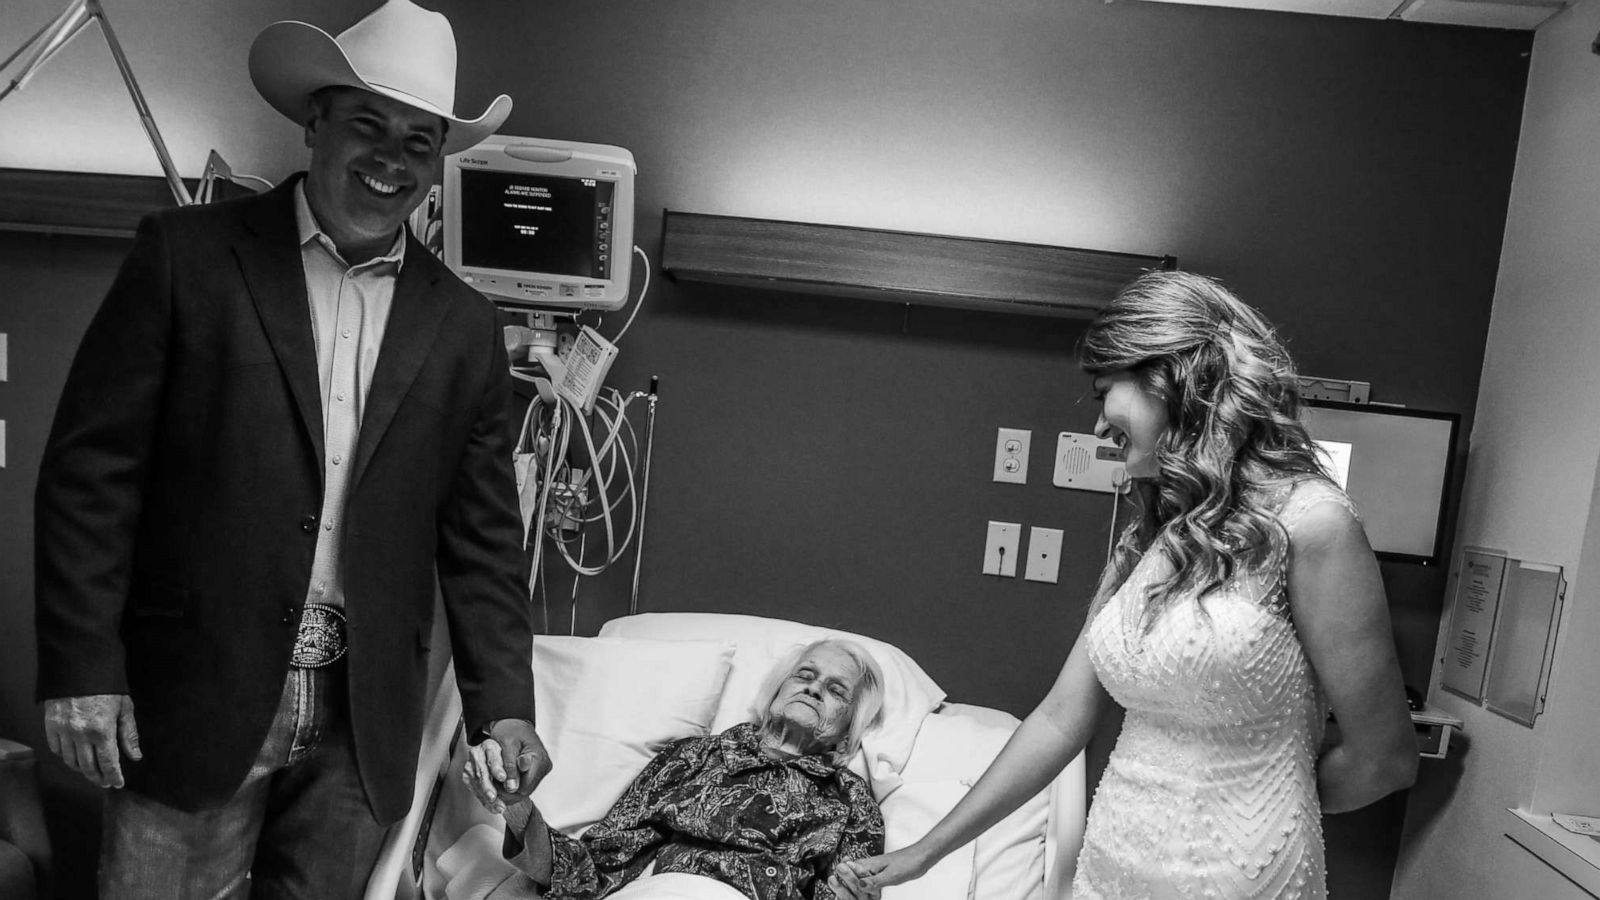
point(372, 161)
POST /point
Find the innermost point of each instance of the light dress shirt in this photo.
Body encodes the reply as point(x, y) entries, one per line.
point(349, 308)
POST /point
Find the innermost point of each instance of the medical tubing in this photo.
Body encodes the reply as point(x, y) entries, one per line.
point(616, 453)
point(546, 471)
point(600, 489)
point(620, 456)
point(547, 434)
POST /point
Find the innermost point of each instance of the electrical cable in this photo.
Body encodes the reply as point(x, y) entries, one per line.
point(644, 493)
point(1119, 486)
point(567, 500)
point(544, 602)
point(572, 621)
point(570, 499)
point(644, 291)
point(1111, 534)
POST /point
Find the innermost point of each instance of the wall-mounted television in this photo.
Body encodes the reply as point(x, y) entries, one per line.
point(541, 224)
point(1396, 464)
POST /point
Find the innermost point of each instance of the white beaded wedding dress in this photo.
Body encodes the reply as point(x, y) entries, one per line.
point(1211, 790)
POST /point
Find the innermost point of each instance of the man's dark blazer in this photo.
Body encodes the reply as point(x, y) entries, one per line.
point(179, 497)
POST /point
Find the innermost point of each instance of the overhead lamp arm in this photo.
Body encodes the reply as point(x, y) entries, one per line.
point(73, 18)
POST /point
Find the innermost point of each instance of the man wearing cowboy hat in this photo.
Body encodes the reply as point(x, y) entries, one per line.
point(285, 427)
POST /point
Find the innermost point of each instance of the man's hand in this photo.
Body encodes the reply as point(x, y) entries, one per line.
point(86, 731)
point(507, 766)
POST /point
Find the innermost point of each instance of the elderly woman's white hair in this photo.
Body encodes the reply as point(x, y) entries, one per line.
point(867, 707)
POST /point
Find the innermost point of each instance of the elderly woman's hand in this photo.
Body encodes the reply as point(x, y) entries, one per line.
point(485, 773)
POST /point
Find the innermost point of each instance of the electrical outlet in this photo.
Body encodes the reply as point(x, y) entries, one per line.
point(1000, 552)
point(1011, 455)
point(1044, 554)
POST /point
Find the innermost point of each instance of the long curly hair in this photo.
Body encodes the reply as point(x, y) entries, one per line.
point(1233, 431)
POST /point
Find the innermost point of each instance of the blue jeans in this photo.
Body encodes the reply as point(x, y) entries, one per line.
point(298, 828)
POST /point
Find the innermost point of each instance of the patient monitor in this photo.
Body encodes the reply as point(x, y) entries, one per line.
point(541, 224)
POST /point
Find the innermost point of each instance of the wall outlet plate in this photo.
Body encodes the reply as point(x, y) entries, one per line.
point(1000, 550)
point(1011, 455)
point(1087, 463)
point(1044, 554)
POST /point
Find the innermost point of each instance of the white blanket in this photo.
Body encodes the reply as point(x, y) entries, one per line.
point(475, 871)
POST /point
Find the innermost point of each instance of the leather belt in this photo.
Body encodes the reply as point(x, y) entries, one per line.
point(321, 640)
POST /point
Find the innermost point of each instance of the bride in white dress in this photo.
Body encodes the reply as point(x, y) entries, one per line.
point(1240, 605)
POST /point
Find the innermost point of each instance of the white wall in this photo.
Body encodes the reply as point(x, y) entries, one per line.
point(1531, 491)
point(75, 114)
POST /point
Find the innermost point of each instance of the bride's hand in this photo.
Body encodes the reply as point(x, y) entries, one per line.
point(847, 885)
point(878, 872)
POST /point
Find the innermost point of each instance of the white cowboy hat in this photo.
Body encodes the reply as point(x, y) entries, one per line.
point(400, 50)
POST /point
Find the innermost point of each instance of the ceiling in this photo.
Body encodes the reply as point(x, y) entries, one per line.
point(1524, 15)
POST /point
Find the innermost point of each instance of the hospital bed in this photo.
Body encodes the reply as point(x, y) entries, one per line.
point(607, 703)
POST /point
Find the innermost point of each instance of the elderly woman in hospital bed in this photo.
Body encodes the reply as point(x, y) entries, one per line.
point(765, 807)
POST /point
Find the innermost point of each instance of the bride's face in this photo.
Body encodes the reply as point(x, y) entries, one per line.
point(1132, 417)
point(819, 696)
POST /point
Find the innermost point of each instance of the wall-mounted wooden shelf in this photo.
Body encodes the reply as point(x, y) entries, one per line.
point(86, 203)
point(896, 266)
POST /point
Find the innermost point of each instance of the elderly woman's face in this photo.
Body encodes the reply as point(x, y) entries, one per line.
point(819, 695)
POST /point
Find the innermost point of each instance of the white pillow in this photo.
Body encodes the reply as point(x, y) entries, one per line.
point(957, 745)
point(907, 815)
point(606, 705)
point(909, 694)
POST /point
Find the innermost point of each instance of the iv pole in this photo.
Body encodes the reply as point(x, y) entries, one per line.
point(51, 38)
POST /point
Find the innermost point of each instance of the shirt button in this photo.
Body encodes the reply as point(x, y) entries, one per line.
point(347, 333)
point(328, 527)
point(341, 397)
point(337, 459)
point(308, 524)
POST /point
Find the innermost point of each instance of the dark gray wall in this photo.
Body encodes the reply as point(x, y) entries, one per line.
point(828, 460)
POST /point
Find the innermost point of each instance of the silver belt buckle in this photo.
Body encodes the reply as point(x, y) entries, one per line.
point(321, 640)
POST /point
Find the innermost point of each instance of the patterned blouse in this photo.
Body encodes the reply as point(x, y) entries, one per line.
point(719, 807)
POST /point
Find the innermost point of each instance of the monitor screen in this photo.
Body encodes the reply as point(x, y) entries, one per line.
point(541, 224)
point(1395, 463)
point(536, 222)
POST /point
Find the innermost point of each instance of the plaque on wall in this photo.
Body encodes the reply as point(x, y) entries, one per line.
point(1524, 641)
point(1472, 617)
